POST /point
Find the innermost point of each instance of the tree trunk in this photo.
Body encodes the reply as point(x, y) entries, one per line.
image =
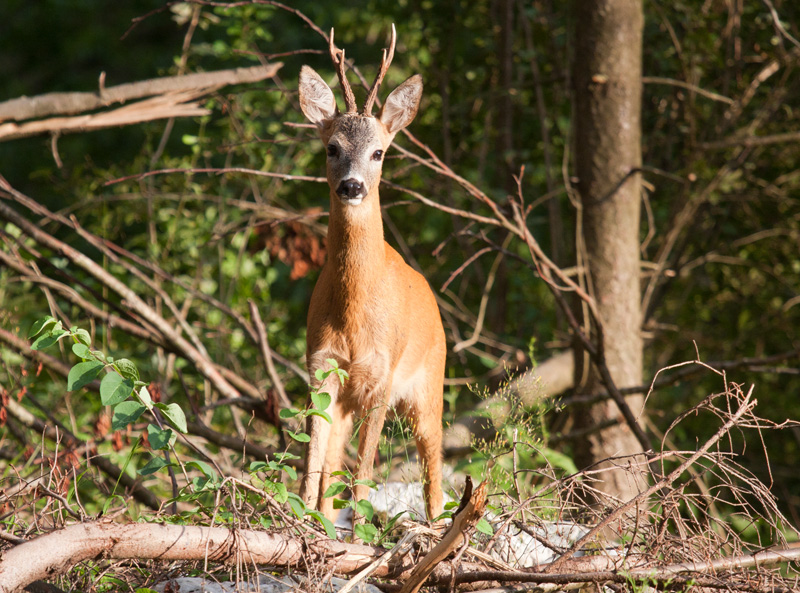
point(607, 78)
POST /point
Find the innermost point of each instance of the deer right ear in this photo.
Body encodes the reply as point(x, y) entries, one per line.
point(316, 98)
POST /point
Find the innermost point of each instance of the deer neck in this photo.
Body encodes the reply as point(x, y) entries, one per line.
point(356, 251)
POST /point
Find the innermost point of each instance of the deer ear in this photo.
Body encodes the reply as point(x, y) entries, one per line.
point(401, 105)
point(316, 98)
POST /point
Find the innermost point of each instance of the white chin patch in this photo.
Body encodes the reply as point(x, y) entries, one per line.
point(353, 201)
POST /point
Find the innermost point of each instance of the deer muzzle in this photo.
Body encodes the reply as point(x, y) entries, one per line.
point(351, 189)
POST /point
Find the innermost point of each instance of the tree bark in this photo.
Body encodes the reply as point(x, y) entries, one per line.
point(607, 78)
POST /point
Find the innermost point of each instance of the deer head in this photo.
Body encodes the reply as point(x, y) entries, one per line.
point(356, 142)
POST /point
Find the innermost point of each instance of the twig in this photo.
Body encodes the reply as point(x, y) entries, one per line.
point(266, 354)
point(400, 548)
point(689, 87)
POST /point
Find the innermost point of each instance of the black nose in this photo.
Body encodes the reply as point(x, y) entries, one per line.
point(350, 188)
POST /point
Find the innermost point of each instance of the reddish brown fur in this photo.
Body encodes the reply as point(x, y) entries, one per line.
point(370, 311)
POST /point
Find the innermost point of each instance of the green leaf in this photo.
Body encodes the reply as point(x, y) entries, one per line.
point(83, 337)
point(290, 471)
point(114, 388)
point(283, 456)
point(83, 373)
point(444, 515)
point(334, 489)
point(155, 464)
point(207, 470)
point(313, 412)
point(366, 482)
point(174, 415)
point(280, 493)
point(339, 504)
point(257, 466)
point(144, 397)
point(48, 339)
point(127, 369)
point(342, 374)
point(390, 525)
point(287, 413)
point(321, 374)
point(125, 413)
point(39, 325)
point(484, 526)
point(365, 531)
point(81, 351)
point(300, 437)
point(159, 438)
point(330, 530)
point(321, 400)
point(297, 505)
point(99, 355)
point(364, 508)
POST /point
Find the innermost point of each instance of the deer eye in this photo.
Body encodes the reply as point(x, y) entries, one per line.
point(377, 155)
point(333, 150)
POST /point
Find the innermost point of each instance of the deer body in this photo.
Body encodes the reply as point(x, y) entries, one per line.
point(370, 311)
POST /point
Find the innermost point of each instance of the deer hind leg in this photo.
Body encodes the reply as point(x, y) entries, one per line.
point(426, 424)
point(368, 437)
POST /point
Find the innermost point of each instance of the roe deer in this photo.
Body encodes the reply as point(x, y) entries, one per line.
point(370, 311)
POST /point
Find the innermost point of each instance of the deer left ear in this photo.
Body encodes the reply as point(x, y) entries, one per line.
point(401, 105)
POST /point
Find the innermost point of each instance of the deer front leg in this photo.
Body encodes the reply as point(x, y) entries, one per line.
point(368, 437)
point(341, 429)
point(319, 431)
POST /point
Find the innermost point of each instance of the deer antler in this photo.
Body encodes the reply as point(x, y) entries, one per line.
point(337, 55)
point(386, 60)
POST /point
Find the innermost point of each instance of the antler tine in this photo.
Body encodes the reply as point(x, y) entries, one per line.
point(337, 55)
point(386, 60)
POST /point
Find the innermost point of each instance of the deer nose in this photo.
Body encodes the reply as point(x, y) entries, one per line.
point(351, 188)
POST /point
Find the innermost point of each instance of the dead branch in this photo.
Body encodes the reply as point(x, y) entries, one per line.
point(470, 510)
point(56, 552)
point(162, 107)
point(24, 108)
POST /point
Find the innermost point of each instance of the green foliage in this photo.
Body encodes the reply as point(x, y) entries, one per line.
point(519, 446)
point(119, 389)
